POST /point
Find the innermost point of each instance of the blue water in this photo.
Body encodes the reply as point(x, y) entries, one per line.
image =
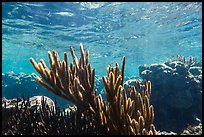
point(144, 32)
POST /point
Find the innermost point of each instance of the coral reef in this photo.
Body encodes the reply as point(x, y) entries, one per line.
point(126, 111)
point(177, 96)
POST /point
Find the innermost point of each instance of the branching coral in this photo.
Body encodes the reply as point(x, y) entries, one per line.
point(74, 83)
point(127, 111)
point(192, 61)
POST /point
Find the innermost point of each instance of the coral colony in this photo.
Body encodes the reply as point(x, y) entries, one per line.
point(127, 111)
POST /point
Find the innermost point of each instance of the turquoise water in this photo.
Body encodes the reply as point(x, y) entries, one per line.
point(146, 33)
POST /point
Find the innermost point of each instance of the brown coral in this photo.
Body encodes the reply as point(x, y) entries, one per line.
point(127, 111)
point(74, 83)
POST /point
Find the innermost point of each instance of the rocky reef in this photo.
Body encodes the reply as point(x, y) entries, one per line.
point(177, 92)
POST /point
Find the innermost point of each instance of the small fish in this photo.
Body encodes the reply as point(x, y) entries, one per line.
point(196, 118)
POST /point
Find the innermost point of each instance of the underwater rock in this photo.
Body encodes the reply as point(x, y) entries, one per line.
point(178, 78)
point(145, 74)
point(177, 85)
point(35, 102)
point(14, 85)
point(156, 68)
point(171, 64)
point(181, 69)
point(143, 67)
point(170, 77)
point(131, 82)
point(195, 70)
point(10, 103)
point(180, 100)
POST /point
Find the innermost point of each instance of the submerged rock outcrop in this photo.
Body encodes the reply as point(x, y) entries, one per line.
point(176, 92)
point(35, 102)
